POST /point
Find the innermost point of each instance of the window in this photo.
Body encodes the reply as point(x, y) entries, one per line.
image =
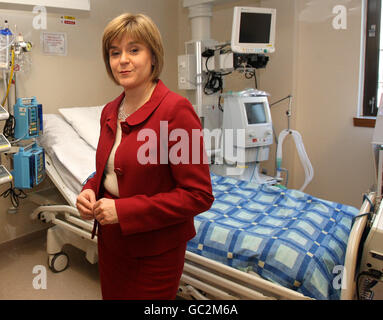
point(373, 72)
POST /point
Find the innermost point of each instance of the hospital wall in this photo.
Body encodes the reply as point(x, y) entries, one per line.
point(79, 78)
point(315, 63)
point(328, 63)
point(319, 66)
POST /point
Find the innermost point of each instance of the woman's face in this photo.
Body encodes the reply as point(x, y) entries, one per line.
point(131, 62)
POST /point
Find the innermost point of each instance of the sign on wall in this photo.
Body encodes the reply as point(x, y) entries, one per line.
point(54, 43)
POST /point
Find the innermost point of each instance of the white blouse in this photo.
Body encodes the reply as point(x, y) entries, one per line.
point(110, 181)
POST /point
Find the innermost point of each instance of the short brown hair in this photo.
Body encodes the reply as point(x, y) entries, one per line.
point(142, 29)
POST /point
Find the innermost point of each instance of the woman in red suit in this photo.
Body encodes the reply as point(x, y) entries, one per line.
point(151, 172)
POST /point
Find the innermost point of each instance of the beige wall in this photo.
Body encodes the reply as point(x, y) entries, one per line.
point(328, 78)
point(78, 79)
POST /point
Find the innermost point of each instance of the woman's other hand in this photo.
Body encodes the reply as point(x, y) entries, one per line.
point(105, 211)
point(85, 202)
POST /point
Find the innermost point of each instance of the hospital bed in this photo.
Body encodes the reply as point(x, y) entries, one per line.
point(256, 242)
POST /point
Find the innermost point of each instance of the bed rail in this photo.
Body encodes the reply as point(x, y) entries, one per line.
point(353, 245)
point(208, 276)
point(57, 180)
point(70, 214)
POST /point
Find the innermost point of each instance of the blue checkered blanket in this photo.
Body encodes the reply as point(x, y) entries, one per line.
point(285, 236)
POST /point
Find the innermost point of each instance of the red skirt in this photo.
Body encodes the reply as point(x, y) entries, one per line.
point(136, 278)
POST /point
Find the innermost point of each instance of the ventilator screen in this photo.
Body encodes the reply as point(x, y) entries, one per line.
point(255, 113)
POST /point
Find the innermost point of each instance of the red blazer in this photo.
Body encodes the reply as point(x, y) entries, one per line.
point(159, 199)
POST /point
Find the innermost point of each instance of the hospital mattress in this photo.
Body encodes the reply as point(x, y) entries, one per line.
point(285, 236)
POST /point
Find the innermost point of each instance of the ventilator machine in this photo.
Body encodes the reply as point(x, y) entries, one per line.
point(244, 117)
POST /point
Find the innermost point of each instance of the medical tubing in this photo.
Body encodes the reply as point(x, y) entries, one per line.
point(255, 165)
point(5, 83)
point(275, 135)
point(7, 46)
point(309, 171)
point(10, 77)
point(287, 175)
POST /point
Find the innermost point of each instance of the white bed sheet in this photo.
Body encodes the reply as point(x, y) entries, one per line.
point(86, 122)
point(72, 157)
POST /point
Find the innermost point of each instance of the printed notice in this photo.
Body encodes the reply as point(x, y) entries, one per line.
point(54, 43)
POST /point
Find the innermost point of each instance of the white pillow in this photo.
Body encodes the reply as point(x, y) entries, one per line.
point(61, 141)
point(86, 122)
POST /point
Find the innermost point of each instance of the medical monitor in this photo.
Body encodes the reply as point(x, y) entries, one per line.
point(251, 113)
point(253, 30)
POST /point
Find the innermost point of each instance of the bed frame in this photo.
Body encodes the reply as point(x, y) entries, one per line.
point(202, 278)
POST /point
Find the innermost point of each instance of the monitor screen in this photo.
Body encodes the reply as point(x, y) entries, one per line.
point(255, 27)
point(253, 30)
point(255, 113)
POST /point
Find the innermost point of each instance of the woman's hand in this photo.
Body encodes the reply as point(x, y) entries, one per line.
point(105, 211)
point(85, 202)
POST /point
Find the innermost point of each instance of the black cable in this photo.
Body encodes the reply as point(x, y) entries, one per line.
point(15, 195)
point(206, 61)
point(359, 216)
point(372, 274)
point(365, 197)
point(252, 74)
point(214, 82)
point(249, 74)
point(371, 212)
point(9, 127)
point(219, 103)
